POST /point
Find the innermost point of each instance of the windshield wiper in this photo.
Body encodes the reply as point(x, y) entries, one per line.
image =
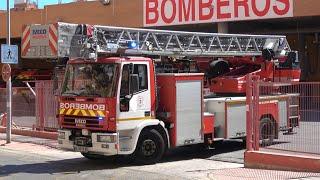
point(70, 93)
point(91, 94)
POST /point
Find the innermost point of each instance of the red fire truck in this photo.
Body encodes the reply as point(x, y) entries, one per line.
point(140, 92)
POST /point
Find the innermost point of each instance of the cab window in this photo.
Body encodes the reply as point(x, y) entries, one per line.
point(134, 80)
point(124, 89)
point(141, 71)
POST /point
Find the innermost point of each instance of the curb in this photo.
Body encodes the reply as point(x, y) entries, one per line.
point(277, 161)
point(47, 144)
point(31, 133)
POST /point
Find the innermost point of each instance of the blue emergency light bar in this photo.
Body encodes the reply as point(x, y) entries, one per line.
point(132, 44)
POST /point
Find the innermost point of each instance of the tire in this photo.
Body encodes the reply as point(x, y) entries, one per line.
point(218, 68)
point(244, 141)
point(150, 147)
point(267, 131)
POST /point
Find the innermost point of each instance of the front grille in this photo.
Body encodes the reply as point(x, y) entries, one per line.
point(82, 141)
point(82, 122)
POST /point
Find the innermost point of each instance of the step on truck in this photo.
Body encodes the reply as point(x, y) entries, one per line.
point(140, 92)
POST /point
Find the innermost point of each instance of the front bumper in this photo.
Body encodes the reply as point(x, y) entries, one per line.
point(102, 148)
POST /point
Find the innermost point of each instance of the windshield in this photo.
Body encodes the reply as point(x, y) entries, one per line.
point(98, 80)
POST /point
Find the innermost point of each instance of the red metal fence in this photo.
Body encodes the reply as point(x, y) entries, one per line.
point(46, 105)
point(23, 107)
point(32, 107)
point(295, 125)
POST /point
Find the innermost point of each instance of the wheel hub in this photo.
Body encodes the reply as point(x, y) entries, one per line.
point(148, 147)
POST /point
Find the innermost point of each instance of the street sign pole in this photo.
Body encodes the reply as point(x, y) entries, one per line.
point(9, 88)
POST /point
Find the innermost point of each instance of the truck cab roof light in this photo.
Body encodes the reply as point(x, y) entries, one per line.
point(132, 44)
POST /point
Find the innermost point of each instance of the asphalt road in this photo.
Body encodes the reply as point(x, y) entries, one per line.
point(305, 139)
point(39, 162)
point(29, 161)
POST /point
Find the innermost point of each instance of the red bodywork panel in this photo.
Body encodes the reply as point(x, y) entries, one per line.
point(269, 108)
point(167, 99)
point(287, 75)
point(235, 81)
point(73, 110)
point(208, 124)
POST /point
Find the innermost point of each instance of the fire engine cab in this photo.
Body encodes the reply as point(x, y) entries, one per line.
point(140, 92)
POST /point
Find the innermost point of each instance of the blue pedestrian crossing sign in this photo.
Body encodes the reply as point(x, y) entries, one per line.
point(9, 54)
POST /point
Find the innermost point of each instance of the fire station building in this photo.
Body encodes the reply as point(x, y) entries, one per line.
point(298, 19)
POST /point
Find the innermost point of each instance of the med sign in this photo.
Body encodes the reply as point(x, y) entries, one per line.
point(174, 12)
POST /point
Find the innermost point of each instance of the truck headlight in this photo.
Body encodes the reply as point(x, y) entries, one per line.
point(61, 135)
point(106, 138)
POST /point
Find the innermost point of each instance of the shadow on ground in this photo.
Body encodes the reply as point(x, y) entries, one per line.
point(77, 165)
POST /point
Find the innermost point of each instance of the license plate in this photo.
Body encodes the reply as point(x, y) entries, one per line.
point(80, 149)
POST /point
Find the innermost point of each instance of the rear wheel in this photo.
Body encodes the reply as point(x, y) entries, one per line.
point(218, 68)
point(267, 131)
point(150, 147)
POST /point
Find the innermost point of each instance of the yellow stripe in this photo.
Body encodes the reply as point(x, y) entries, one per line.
point(69, 111)
point(84, 113)
point(62, 111)
point(92, 113)
point(76, 112)
point(101, 114)
point(136, 119)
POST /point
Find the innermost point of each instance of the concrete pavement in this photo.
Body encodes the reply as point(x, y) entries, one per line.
point(37, 158)
point(33, 140)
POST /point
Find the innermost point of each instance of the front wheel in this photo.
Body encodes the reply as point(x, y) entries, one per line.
point(150, 147)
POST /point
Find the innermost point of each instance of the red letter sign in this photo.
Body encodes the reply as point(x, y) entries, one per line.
point(238, 4)
point(185, 12)
point(153, 10)
point(282, 11)
point(205, 6)
point(220, 5)
point(256, 10)
point(177, 12)
point(164, 5)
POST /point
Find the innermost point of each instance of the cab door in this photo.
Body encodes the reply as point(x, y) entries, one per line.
point(134, 102)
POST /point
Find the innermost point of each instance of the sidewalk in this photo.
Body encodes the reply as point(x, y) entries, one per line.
point(260, 174)
point(31, 133)
point(226, 171)
point(32, 140)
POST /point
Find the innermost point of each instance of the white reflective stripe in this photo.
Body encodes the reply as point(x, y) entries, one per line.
point(25, 43)
point(53, 42)
point(54, 29)
point(25, 31)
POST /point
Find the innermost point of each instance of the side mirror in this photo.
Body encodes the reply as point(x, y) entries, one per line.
point(128, 97)
point(134, 83)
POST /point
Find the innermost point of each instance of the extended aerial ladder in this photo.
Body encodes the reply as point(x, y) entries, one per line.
point(94, 40)
point(241, 54)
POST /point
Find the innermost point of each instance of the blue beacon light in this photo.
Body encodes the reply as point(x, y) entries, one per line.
point(132, 44)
